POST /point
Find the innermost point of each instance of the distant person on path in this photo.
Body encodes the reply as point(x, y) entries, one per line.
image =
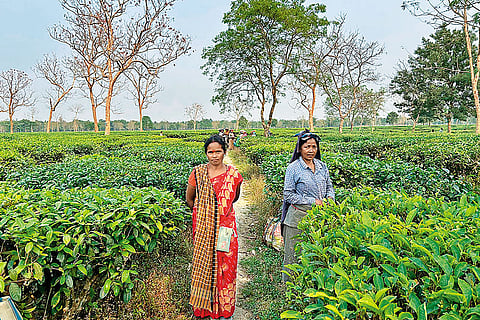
point(231, 139)
point(307, 183)
point(212, 189)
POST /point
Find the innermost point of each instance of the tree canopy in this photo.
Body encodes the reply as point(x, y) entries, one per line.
point(259, 48)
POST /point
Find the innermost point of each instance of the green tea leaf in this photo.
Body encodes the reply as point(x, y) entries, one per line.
point(335, 310)
point(405, 316)
point(450, 317)
point(443, 263)
point(15, 292)
point(466, 289)
point(82, 269)
point(66, 239)
point(129, 248)
point(313, 307)
point(29, 247)
point(55, 299)
point(379, 295)
point(69, 281)
point(367, 302)
point(38, 271)
point(422, 312)
point(386, 251)
point(290, 314)
point(125, 275)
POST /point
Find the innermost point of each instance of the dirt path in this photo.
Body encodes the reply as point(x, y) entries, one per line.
point(242, 230)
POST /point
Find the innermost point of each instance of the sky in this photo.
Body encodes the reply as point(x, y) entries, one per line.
point(24, 37)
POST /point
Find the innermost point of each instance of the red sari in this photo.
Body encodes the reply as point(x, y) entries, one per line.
point(225, 263)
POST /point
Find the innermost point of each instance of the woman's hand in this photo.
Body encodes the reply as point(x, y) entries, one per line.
point(318, 202)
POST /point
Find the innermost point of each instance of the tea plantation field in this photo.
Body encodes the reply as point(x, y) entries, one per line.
point(76, 208)
point(401, 241)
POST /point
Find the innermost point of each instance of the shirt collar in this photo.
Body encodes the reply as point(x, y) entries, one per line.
point(304, 165)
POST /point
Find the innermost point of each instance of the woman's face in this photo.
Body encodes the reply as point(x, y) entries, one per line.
point(215, 153)
point(309, 150)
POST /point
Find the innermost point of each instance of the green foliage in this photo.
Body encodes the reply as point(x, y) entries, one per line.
point(392, 117)
point(259, 48)
point(350, 170)
point(384, 255)
point(63, 248)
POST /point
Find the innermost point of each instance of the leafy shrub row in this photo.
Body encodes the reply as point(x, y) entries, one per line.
point(63, 249)
point(384, 255)
point(105, 172)
point(350, 171)
point(459, 154)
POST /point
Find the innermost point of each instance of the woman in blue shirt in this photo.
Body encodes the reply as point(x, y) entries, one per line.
point(307, 183)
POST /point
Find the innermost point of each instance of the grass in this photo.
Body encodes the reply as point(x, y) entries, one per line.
point(164, 289)
point(264, 294)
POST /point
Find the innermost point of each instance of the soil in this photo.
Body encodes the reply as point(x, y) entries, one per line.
point(243, 222)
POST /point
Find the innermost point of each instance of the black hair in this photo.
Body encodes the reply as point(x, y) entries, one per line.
point(303, 137)
point(218, 139)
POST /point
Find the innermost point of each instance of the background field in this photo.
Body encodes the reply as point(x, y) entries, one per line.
point(86, 220)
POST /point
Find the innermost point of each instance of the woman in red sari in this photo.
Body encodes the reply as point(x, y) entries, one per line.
point(212, 189)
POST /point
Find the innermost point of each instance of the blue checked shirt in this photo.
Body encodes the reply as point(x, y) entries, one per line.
point(303, 186)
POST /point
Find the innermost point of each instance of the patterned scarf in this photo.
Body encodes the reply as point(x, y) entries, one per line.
point(204, 273)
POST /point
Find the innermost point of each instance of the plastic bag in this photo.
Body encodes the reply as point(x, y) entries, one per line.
point(272, 234)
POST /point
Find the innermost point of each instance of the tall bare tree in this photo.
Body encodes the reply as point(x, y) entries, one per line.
point(368, 105)
point(463, 13)
point(349, 64)
point(90, 84)
point(194, 113)
point(239, 108)
point(143, 87)
point(15, 92)
point(306, 79)
point(76, 109)
point(127, 32)
point(53, 70)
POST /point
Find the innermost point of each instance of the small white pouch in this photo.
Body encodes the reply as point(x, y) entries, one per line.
point(224, 238)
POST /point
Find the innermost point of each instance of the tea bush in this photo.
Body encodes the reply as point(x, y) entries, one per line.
point(385, 255)
point(62, 249)
point(350, 170)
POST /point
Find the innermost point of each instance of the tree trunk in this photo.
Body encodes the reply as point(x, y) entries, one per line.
point(477, 130)
point(108, 102)
point(11, 121)
point(351, 125)
point(194, 125)
point(140, 112)
point(449, 119)
point(94, 109)
point(49, 123)
point(340, 126)
point(312, 108)
point(415, 121)
point(473, 74)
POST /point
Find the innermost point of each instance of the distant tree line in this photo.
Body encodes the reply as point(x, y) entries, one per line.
point(60, 125)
